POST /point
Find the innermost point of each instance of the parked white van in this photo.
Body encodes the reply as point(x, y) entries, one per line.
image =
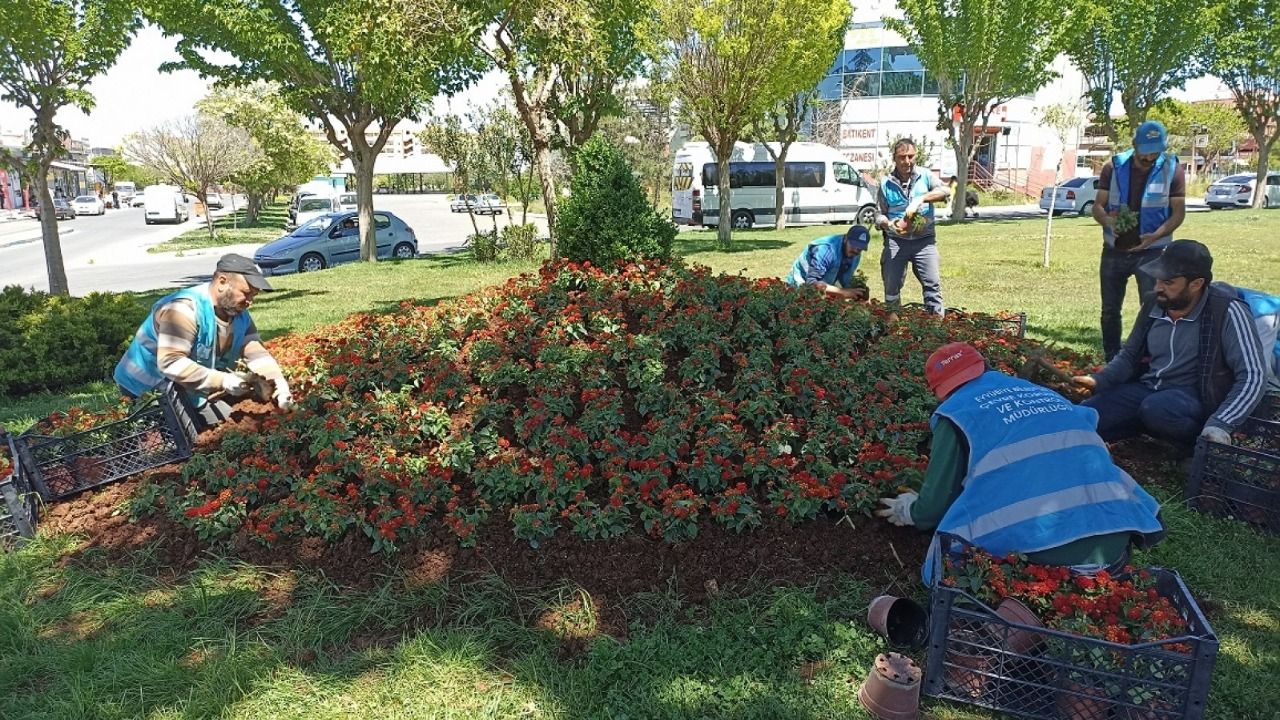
point(164, 203)
point(820, 185)
point(311, 207)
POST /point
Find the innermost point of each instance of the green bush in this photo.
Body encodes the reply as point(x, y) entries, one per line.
point(484, 245)
point(520, 242)
point(608, 219)
point(53, 343)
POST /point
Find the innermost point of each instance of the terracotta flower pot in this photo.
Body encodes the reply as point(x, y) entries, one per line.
point(900, 620)
point(892, 688)
point(966, 666)
point(1077, 701)
point(1016, 640)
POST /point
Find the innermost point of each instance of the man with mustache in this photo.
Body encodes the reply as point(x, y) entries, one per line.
point(194, 337)
point(1193, 364)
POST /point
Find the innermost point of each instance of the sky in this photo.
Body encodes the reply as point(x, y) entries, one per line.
point(134, 95)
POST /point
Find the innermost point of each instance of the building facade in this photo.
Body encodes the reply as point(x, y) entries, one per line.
point(887, 94)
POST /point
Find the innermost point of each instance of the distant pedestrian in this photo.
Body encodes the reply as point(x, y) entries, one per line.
point(905, 215)
point(115, 199)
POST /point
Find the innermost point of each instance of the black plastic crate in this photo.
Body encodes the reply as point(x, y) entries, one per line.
point(1239, 482)
point(18, 506)
point(977, 657)
point(161, 430)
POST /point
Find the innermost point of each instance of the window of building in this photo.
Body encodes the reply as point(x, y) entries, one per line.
point(900, 58)
point(902, 83)
point(860, 60)
point(862, 85)
point(829, 88)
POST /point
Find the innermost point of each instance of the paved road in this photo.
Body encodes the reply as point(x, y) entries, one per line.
point(108, 252)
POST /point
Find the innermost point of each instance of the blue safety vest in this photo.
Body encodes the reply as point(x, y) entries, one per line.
point(827, 253)
point(1039, 476)
point(897, 197)
point(139, 370)
point(1155, 197)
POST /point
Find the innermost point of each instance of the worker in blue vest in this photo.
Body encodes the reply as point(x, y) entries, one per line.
point(1016, 467)
point(904, 213)
point(1148, 182)
point(829, 262)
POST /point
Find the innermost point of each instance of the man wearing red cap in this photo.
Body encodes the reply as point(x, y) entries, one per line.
point(1015, 467)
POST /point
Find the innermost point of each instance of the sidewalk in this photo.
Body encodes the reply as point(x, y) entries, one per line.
point(25, 230)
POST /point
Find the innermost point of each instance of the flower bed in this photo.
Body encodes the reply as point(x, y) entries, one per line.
point(648, 399)
point(1130, 646)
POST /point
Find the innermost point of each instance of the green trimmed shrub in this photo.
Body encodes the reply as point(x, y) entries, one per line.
point(520, 242)
point(608, 220)
point(53, 343)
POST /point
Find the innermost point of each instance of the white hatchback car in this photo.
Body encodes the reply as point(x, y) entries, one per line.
point(1237, 191)
point(1075, 195)
point(88, 205)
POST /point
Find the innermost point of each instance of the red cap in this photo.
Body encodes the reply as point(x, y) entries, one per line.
point(951, 366)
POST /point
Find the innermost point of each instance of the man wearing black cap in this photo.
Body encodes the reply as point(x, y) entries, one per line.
point(1193, 364)
point(194, 337)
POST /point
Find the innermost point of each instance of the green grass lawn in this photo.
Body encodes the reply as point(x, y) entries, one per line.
point(231, 229)
point(92, 639)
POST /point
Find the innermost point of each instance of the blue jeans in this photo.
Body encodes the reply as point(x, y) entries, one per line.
point(1173, 414)
point(922, 255)
point(1114, 272)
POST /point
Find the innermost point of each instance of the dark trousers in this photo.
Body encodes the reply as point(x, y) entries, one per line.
point(1114, 272)
point(1173, 414)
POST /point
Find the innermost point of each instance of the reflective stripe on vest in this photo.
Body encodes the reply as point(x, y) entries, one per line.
point(1038, 475)
point(139, 369)
point(1154, 209)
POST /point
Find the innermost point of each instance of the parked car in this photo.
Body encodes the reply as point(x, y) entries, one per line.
point(489, 205)
point(313, 206)
point(214, 201)
point(461, 203)
point(88, 205)
point(61, 210)
point(1075, 195)
point(348, 201)
point(1237, 191)
point(332, 239)
point(138, 200)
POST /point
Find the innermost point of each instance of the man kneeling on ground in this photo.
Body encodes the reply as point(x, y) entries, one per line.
point(828, 263)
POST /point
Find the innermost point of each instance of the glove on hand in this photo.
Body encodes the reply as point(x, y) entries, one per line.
point(897, 510)
point(1216, 434)
point(234, 385)
point(282, 396)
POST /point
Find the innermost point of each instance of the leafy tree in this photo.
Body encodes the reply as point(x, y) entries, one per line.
point(781, 124)
point(50, 50)
point(503, 146)
point(1245, 54)
point(643, 132)
point(981, 53)
point(731, 61)
point(459, 147)
point(1064, 119)
point(564, 60)
point(1139, 50)
point(607, 220)
point(289, 155)
point(118, 169)
point(194, 153)
point(358, 67)
point(1204, 128)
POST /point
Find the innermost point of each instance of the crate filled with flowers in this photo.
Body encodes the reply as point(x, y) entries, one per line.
point(1241, 481)
point(1045, 642)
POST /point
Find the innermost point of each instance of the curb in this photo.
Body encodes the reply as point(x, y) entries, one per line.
point(37, 238)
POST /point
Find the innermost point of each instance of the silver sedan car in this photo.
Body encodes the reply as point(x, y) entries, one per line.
point(333, 239)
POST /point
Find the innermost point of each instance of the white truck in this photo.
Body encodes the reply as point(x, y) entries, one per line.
point(165, 203)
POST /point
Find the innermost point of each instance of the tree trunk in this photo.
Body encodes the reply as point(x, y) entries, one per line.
point(542, 150)
point(1264, 154)
point(1048, 228)
point(363, 165)
point(203, 197)
point(251, 212)
point(962, 149)
point(724, 230)
point(49, 233)
point(779, 184)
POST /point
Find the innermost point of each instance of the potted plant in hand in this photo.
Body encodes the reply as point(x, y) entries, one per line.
point(1126, 228)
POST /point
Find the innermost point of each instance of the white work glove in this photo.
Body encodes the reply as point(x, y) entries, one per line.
point(897, 510)
point(282, 396)
point(234, 385)
point(1216, 434)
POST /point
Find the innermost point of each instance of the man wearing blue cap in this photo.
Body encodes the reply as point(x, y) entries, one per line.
point(828, 263)
point(1152, 185)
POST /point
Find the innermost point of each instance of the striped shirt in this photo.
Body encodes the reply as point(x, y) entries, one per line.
point(175, 325)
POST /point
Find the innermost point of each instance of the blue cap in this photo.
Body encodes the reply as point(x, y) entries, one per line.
point(1151, 137)
point(858, 236)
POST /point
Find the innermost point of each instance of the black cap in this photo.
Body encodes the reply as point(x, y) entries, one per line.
point(1181, 258)
point(241, 265)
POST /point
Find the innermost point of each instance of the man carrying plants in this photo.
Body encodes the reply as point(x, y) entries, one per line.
point(1016, 468)
point(1193, 364)
point(829, 262)
point(1141, 201)
point(905, 216)
point(194, 337)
